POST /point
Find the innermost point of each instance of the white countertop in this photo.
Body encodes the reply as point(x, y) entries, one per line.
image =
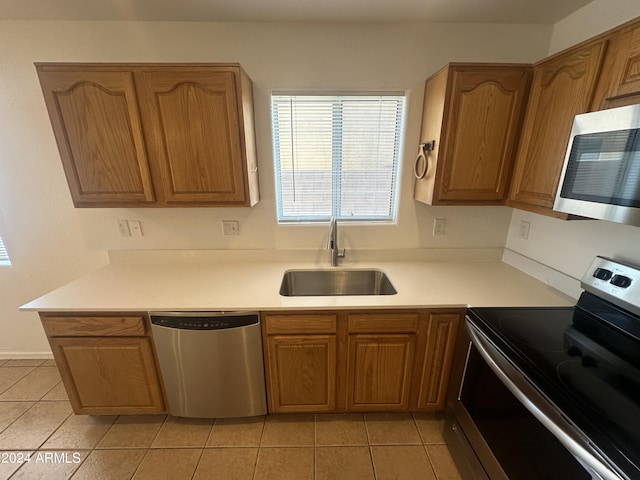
point(254, 285)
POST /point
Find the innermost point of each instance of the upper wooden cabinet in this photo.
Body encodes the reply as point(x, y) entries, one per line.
point(471, 123)
point(97, 125)
point(620, 81)
point(153, 135)
point(563, 86)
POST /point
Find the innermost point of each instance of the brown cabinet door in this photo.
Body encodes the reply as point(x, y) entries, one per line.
point(563, 86)
point(379, 372)
point(486, 110)
point(193, 134)
point(301, 373)
point(96, 123)
point(443, 328)
point(474, 114)
point(109, 375)
point(620, 83)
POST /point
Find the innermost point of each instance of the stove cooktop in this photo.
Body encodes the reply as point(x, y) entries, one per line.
point(586, 360)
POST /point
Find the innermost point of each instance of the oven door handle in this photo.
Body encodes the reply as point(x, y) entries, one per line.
point(541, 407)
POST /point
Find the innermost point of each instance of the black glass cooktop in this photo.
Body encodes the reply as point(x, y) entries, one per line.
point(586, 359)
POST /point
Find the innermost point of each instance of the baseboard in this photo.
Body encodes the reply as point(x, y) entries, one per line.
point(26, 355)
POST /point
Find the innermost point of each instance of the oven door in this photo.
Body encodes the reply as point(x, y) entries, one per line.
point(514, 430)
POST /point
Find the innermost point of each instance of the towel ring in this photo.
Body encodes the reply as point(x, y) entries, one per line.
point(421, 166)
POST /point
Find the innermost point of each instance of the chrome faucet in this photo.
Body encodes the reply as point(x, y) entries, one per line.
point(334, 252)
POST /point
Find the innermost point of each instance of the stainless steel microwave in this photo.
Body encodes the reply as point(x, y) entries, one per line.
point(601, 173)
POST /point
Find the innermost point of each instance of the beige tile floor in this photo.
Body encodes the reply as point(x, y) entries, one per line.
point(37, 424)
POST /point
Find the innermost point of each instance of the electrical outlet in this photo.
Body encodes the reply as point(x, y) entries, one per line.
point(123, 228)
point(438, 226)
point(230, 228)
point(136, 228)
point(523, 231)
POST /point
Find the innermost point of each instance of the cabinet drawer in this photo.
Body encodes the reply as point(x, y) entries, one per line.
point(94, 326)
point(292, 324)
point(383, 323)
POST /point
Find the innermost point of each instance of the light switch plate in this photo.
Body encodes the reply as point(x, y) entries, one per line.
point(523, 231)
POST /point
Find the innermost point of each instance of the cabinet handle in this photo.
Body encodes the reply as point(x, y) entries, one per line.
point(421, 167)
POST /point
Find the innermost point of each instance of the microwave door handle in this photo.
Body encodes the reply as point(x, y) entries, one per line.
point(533, 400)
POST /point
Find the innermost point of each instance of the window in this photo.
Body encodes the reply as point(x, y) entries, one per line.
point(336, 155)
point(4, 257)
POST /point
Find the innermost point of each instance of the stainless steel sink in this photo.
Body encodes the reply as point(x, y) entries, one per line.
point(303, 283)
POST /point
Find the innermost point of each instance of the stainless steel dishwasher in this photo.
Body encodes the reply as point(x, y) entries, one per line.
point(211, 363)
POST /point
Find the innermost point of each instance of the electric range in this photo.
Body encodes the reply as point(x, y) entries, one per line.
point(576, 370)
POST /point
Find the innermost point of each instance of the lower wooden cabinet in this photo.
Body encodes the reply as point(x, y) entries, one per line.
point(359, 361)
point(380, 368)
point(303, 371)
point(436, 369)
point(300, 352)
point(367, 360)
point(381, 354)
point(107, 363)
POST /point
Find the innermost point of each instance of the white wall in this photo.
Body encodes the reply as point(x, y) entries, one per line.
point(591, 20)
point(51, 243)
point(571, 246)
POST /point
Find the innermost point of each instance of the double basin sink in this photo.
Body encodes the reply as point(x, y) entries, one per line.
point(302, 283)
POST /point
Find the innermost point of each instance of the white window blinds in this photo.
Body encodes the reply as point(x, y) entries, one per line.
point(4, 257)
point(336, 155)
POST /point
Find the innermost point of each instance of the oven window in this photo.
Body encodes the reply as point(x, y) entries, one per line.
point(604, 168)
point(525, 449)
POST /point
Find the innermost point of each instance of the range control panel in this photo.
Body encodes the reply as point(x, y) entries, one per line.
point(618, 282)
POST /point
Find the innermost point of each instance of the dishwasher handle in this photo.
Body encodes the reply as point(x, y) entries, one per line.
point(204, 320)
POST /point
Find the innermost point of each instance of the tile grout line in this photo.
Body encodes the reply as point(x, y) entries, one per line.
point(43, 441)
point(426, 450)
point(14, 383)
point(195, 470)
point(206, 442)
point(139, 464)
point(32, 372)
point(80, 464)
point(433, 467)
point(415, 424)
point(255, 463)
point(155, 437)
point(54, 430)
point(373, 463)
point(21, 466)
point(41, 399)
point(106, 433)
point(19, 416)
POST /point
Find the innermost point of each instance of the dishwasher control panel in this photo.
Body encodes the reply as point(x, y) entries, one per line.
point(204, 321)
